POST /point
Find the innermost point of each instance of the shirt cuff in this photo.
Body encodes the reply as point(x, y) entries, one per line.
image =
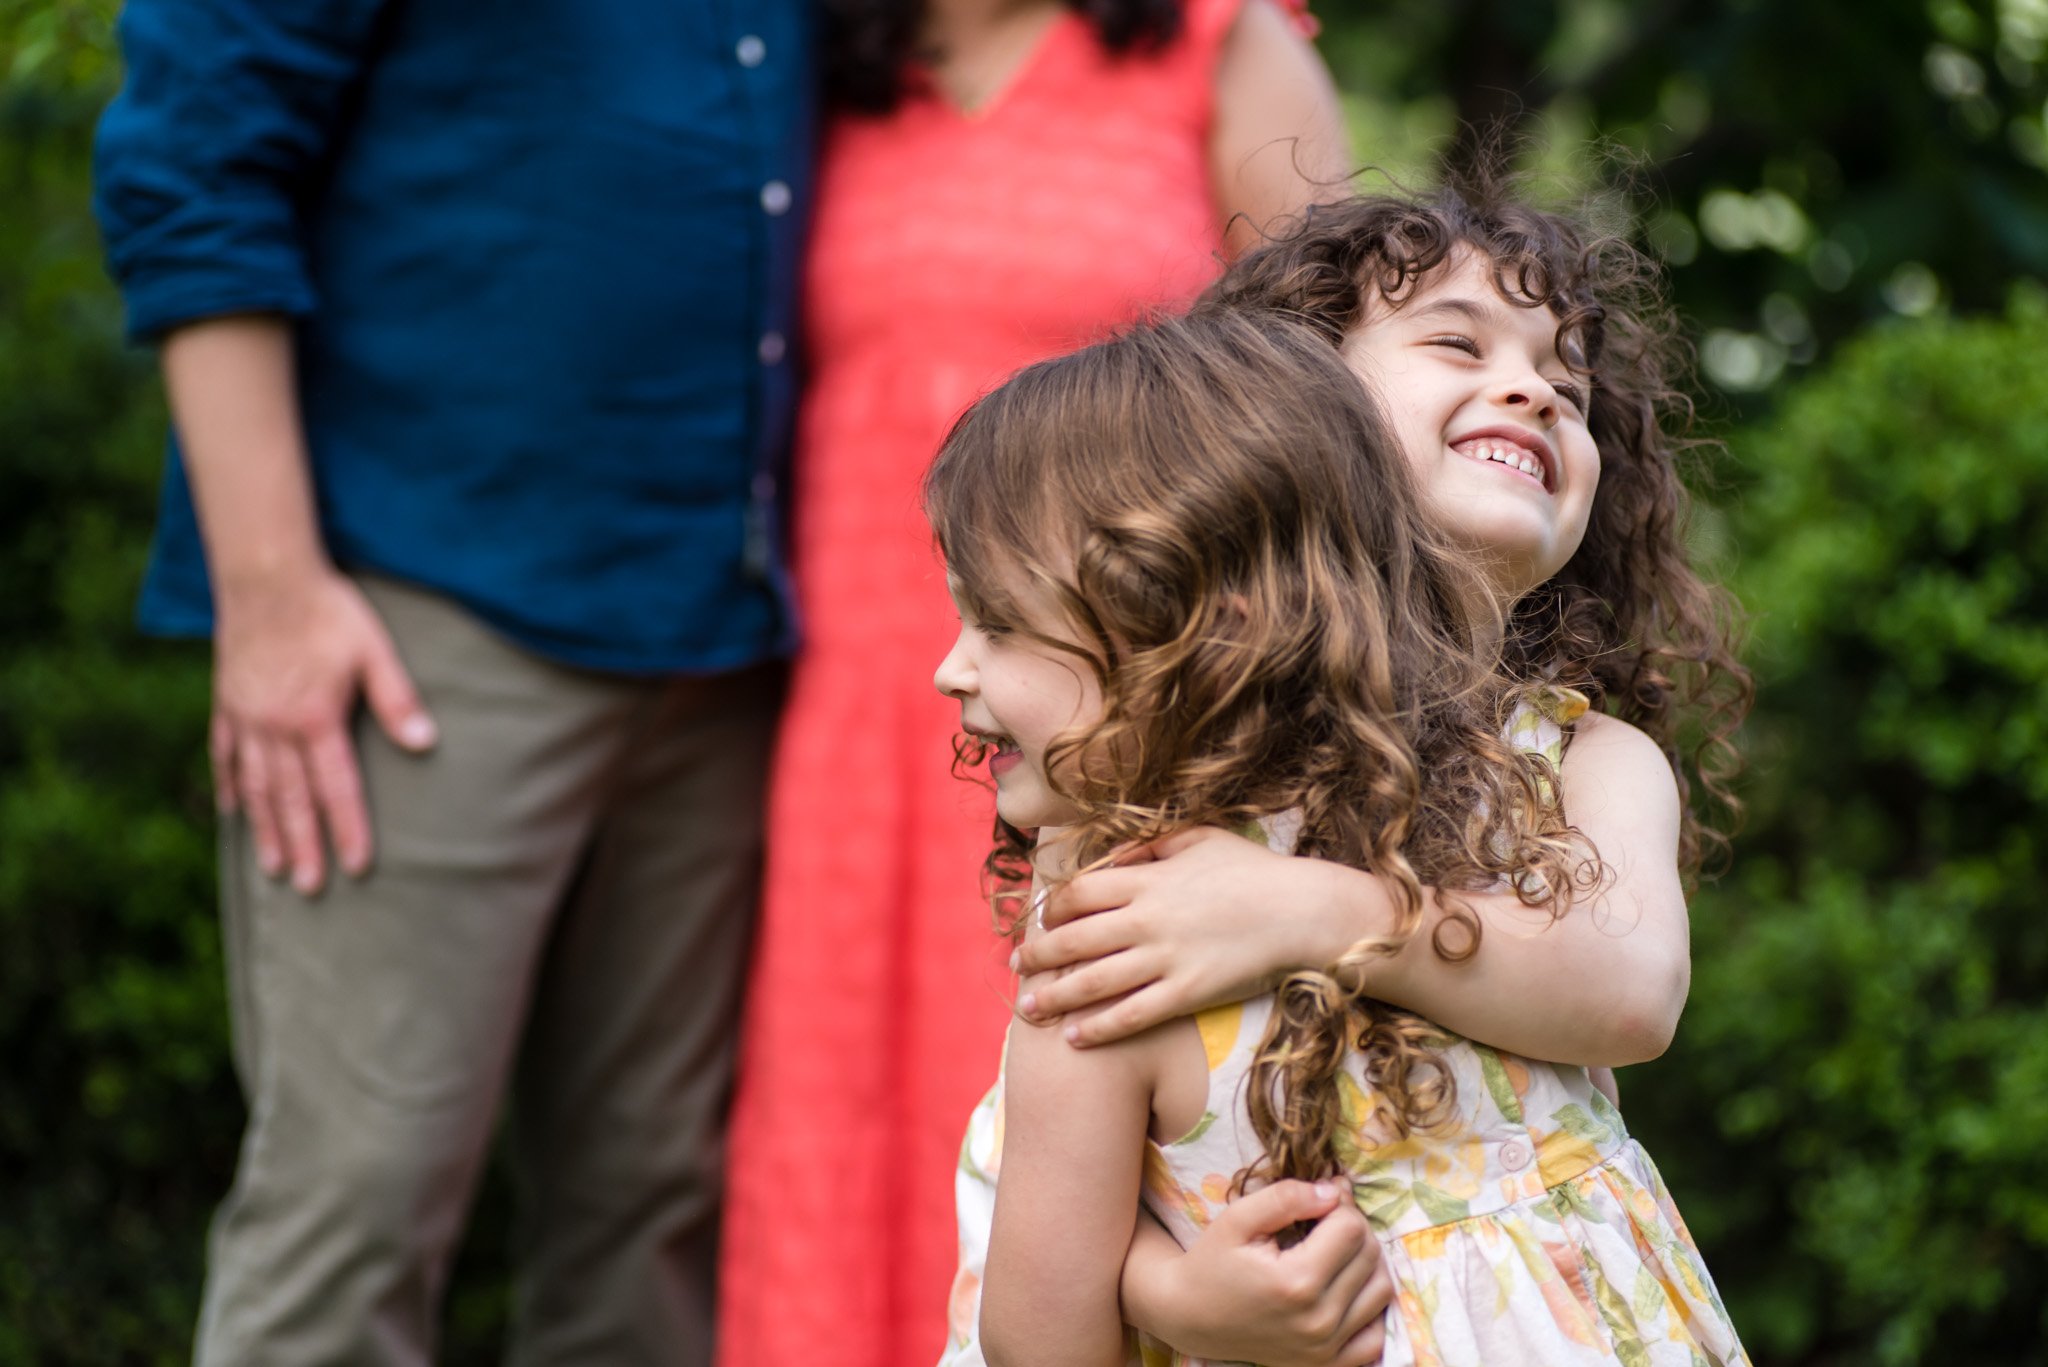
point(161, 301)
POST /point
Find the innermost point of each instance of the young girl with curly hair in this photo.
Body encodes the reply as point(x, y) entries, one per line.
point(1198, 587)
point(1601, 595)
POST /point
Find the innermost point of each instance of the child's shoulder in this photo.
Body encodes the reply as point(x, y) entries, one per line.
point(1596, 734)
point(1154, 1063)
point(1612, 762)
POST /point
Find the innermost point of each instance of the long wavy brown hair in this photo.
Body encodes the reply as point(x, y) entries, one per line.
point(872, 49)
point(1628, 621)
point(1210, 516)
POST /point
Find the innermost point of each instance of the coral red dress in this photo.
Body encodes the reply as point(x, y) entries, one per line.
point(948, 250)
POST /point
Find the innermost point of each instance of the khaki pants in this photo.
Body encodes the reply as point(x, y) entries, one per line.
point(560, 909)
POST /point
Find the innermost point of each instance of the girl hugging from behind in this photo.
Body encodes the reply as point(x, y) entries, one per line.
point(1526, 366)
point(1201, 585)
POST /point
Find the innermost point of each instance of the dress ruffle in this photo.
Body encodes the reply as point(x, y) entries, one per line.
point(1598, 1271)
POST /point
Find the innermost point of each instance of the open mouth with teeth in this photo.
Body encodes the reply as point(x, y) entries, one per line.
point(1003, 753)
point(1508, 453)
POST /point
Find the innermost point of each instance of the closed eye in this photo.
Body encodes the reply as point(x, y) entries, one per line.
point(1573, 392)
point(1456, 341)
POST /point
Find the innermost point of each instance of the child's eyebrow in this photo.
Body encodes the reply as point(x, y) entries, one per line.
point(1485, 315)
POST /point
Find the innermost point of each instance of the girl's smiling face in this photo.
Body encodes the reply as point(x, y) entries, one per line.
point(1017, 694)
point(1491, 418)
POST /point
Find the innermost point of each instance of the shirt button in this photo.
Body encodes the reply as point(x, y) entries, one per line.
point(751, 51)
point(774, 346)
point(1514, 1155)
point(775, 197)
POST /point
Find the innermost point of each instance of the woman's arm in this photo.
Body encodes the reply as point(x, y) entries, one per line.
point(1073, 1151)
point(1278, 142)
point(1601, 986)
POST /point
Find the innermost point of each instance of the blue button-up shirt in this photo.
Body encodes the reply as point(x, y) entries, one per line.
point(541, 257)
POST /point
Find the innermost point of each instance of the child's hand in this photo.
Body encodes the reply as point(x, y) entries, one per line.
point(1236, 1295)
point(1179, 925)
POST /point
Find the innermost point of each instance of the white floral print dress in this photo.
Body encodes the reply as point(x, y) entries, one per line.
point(1530, 1231)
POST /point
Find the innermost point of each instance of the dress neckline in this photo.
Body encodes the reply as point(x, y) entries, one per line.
point(1018, 75)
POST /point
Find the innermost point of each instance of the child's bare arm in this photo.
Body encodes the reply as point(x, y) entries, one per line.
point(1236, 1295)
point(1073, 1150)
point(1215, 917)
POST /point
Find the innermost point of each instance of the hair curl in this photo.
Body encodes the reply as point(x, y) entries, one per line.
point(1628, 621)
point(1209, 515)
point(872, 48)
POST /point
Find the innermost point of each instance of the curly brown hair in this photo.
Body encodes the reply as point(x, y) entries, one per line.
point(1628, 621)
point(1217, 524)
point(871, 47)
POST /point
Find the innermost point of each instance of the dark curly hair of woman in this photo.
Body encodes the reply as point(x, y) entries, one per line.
point(1628, 621)
point(872, 47)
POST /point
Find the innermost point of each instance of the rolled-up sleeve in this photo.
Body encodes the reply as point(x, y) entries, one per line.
point(205, 159)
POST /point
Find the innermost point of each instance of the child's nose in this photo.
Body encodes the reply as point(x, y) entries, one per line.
point(1534, 395)
point(955, 676)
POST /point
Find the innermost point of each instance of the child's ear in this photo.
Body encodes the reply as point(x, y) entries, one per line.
point(1239, 606)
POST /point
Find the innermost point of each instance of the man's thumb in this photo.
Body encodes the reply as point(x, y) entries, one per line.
point(393, 701)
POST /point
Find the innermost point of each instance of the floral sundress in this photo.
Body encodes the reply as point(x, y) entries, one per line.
point(1528, 1231)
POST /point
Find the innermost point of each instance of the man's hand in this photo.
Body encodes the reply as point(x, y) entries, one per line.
point(1198, 918)
point(1236, 1295)
point(290, 656)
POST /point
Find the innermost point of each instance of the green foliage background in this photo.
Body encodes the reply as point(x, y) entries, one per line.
point(1853, 204)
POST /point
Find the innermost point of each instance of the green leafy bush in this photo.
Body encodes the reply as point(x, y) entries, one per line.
point(1855, 1113)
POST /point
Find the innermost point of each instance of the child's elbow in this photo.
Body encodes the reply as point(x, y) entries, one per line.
point(1645, 1018)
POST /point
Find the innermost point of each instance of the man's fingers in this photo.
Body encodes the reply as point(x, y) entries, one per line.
point(338, 788)
point(392, 699)
point(1098, 981)
point(254, 783)
point(1264, 1213)
point(291, 798)
point(220, 750)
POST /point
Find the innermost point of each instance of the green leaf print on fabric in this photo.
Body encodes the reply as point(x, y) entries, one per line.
point(1649, 1300)
point(1621, 1324)
point(1570, 1200)
point(1382, 1199)
point(1201, 1128)
point(1604, 1112)
point(1441, 1206)
point(1578, 1124)
point(1497, 1085)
